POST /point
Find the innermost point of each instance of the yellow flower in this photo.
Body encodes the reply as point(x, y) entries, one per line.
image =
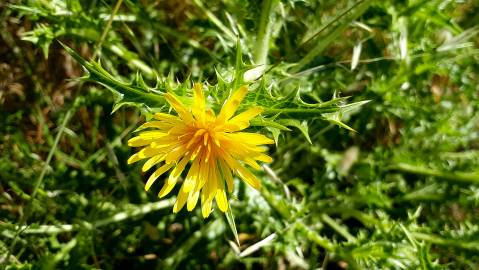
point(210, 145)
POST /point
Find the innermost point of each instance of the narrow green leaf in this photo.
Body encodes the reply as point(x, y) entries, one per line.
point(267, 123)
point(231, 223)
point(426, 263)
point(353, 107)
point(239, 66)
point(357, 10)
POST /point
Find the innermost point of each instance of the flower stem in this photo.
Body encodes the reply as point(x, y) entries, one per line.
point(301, 111)
point(107, 28)
point(264, 32)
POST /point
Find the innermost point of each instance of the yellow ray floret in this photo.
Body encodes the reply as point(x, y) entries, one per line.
point(209, 148)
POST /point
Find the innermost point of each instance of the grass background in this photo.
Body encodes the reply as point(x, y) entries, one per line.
point(400, 193)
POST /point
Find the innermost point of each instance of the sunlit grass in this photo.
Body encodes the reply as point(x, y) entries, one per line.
point(372, 107)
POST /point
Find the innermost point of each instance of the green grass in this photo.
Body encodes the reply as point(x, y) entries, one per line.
point(373, 105)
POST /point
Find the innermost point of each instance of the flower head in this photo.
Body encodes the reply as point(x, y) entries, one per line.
point(212, 147)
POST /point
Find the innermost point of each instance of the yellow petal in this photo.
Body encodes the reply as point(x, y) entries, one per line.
point(247, 115)
point(134, 158)
point(206, 208)
point(139, 141)
point(232, 127)
point(232, 104)
point(205, 138)
point(167, 118)
point(151, 135)
point(252, 163)
point(143, 153)
point(175, 173)
point(202, 174)
point(264, 158)
point(167, 188)
point(242, 172)
point(199, 105)
point(179, 130)
point(248, 177)
point(241, 121)
point(168, 140)
point(182, 111)
point(151, 162)
point(226, 172)
point(221, 200)
point(208, 153)
point(192, 199)
point(195, 137)
point(212, 182)
point(156, 124)
point(190, 180)
point(210, 115)
point(179, 167)
point(196, 152)
point(249, 138)
point(256, 148)
point(180, 200)
point(157, 174)
point(148, 152)
point(175, 154)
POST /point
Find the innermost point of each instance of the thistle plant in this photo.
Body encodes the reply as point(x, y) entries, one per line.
point(239, 134)
point(209, 146)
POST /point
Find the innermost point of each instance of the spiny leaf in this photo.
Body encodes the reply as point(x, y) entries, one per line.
point(335, 118)
point(302, 126)
point(275, 132)
point(135, 93)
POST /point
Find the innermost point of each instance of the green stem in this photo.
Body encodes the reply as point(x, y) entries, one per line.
point(300, 111)
point(338, 227)
point(264, 32)
point(459, 177)
point(107, 28)
point(215, 20)
point(434, 239)
point(364, 218)
point(278, 205)
point(50, 154)
point(118, 217)
point(316, 238)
